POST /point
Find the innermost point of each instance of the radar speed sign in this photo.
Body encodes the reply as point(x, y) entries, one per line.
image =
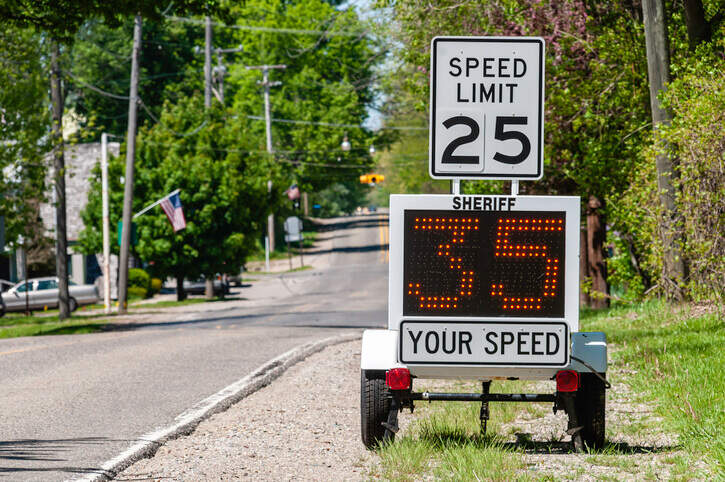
point(495, 270)
point(487, 104)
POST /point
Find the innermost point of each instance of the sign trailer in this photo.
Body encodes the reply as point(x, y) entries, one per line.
point(484, 287)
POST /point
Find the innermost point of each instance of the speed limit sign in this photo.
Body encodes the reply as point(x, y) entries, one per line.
point(487, 108)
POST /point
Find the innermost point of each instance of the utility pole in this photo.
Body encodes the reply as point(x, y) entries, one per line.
point(658, 69)
point(268, 124)
point(61, 241)
point(106, 228)
point(207, 64)
point(130, 157)
point(220, 71)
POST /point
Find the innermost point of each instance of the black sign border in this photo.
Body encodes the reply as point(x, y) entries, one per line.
point(567, 335)
point(540, 150)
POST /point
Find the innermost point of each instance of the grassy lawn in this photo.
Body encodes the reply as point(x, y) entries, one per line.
point(14, 325)
point(679, 358)
point(675, 360)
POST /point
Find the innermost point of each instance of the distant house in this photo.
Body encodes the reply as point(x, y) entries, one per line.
point(80, 159)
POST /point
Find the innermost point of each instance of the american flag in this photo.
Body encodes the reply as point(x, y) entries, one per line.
point(172, 207)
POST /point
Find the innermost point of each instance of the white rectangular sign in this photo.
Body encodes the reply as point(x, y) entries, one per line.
point(487, 108)
point(480, 258)
point(484, 343)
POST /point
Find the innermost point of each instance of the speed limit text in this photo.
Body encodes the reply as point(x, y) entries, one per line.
point(472, 68)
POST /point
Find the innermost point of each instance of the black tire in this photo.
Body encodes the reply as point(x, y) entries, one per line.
point(72, 305)
point(2, 310)
point(590, 410)
point(374, 408)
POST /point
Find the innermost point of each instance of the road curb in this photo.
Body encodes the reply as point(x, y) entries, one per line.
point(147, 445)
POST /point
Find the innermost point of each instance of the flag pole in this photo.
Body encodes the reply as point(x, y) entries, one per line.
point(155, 204)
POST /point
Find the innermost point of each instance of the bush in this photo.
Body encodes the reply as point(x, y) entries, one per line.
point(155, 285)
point(135, 292)
point(139, 278)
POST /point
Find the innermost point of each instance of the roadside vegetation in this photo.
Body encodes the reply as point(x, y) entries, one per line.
point(669, 358)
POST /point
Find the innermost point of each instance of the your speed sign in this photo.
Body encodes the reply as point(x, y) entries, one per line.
point(487, 108)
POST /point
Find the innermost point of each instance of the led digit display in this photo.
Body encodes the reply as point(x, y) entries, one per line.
point(484, 263)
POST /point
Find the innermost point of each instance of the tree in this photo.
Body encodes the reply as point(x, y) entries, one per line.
point(23, 131)
point(223, 193)
point(329, 79)
point(60, 20)
point(595, 104)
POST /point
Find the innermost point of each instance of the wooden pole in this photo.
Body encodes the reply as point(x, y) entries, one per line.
point(130, 157)
point(658, 68)
point(61, 240)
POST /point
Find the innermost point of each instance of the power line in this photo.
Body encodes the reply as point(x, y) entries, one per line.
point(254, 28)
point(331, 124)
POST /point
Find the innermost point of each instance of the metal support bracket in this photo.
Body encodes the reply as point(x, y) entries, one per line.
point(484, 415)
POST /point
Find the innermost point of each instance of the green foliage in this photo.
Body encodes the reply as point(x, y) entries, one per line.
point(675, 356)
point(23, 133)
point(697, 140)
point(169, 69)
point(156, 285)
point(139, 278)
point(223, 192)
point(136, 292)
point(61, 19)
point(340, 198)
point(328, 79)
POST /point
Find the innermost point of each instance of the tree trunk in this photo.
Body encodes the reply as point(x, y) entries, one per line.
point(130, 155)
point(698, 28)
point(583, 267)
point(596, 237)
point(180, 293)
point(658, 67)
point(209, 287)
point(61, 240)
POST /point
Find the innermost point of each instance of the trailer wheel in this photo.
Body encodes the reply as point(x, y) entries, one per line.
point(590, 408)
point(374, 408)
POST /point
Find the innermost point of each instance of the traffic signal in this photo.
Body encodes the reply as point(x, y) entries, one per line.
point(371, 178)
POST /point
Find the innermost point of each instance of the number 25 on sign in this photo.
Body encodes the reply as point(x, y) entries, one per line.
point(487, 108)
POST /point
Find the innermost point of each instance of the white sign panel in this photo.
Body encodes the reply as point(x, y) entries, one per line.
point(509, 264)
point(293, 225)
point(487, 108)
point(451, 343)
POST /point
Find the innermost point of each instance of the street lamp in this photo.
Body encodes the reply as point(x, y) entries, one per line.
point(345, 146)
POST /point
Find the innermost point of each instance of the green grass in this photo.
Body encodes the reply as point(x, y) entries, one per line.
point(676, 362)
point(15, 326)
point(679, 361)
point(446, 443)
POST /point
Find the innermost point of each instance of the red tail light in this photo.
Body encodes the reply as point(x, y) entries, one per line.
point(567, 381)
point(398, 379)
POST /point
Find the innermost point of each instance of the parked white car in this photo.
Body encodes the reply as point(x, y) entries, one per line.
point(43, 293)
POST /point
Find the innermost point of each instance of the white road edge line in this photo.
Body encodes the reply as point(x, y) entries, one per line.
point(147, 445)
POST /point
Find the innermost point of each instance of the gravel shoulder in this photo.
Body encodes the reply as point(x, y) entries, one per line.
point(304, 426)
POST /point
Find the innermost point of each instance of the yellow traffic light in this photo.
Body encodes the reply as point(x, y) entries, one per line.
point(371, 178)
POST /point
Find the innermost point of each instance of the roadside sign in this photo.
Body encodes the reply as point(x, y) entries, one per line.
point(499, 271)
point(487, 108)
point(293, 238)
point(293, 225)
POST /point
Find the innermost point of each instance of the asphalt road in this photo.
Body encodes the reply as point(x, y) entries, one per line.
point(70, 403)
